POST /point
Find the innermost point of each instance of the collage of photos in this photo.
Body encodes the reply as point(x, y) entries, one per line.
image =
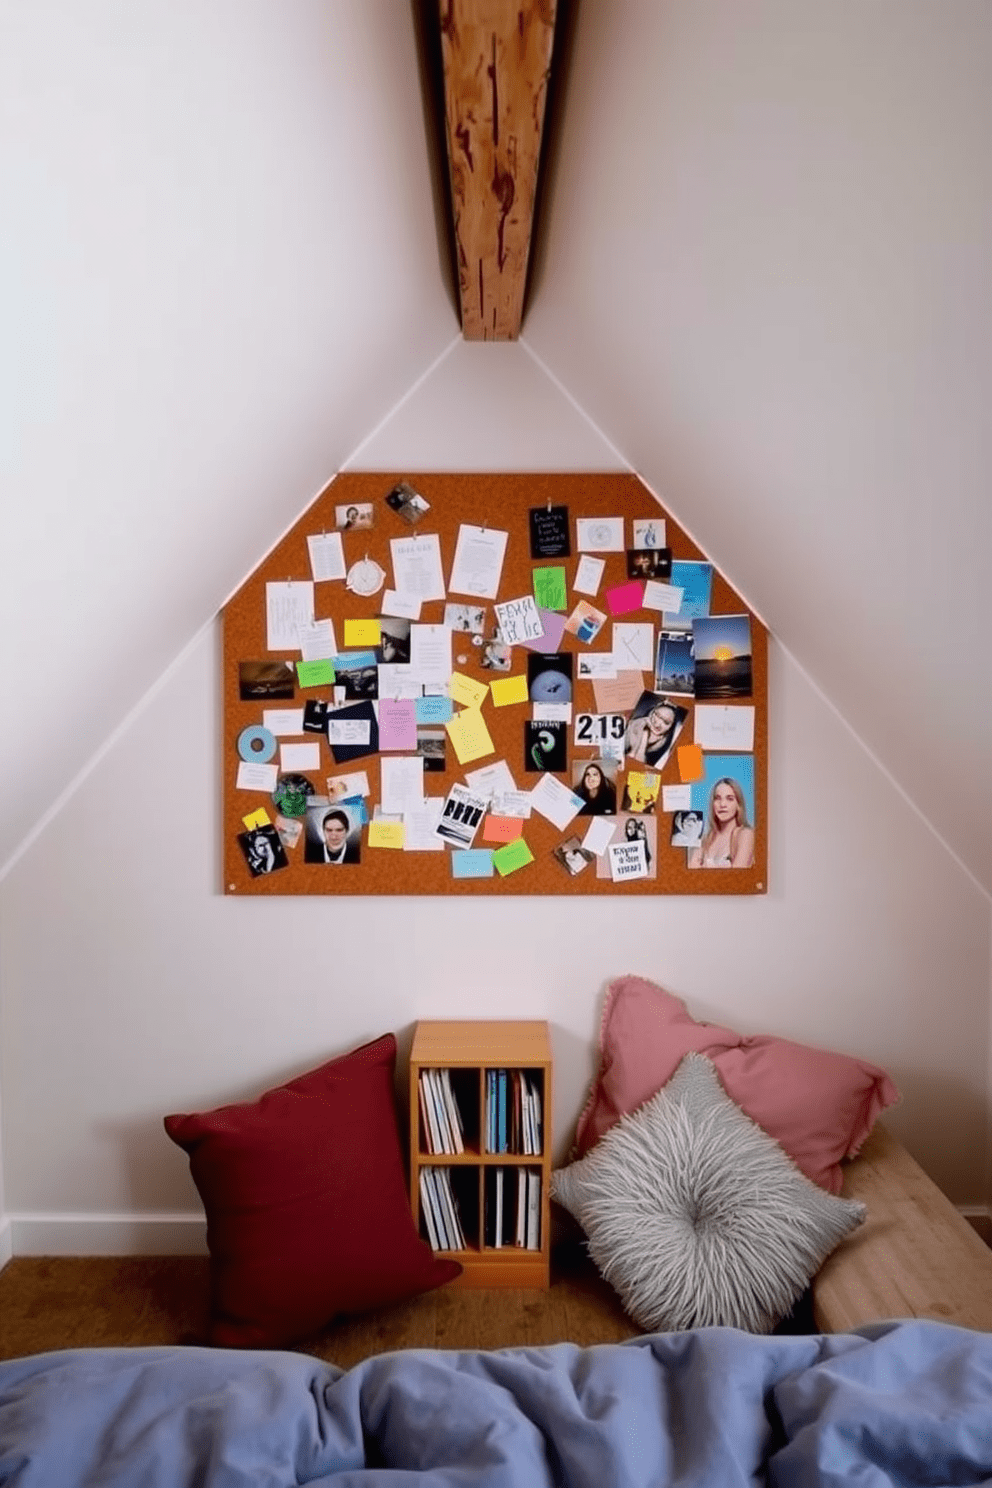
point(468, 719)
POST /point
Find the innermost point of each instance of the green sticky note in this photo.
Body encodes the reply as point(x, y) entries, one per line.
point(549, 589)
point(314, 673)
point(512, 856)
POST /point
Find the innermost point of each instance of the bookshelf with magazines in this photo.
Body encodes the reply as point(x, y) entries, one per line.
point(480, 1146)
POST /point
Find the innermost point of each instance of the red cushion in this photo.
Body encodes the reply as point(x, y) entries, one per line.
point(817, 1105)
point(307, 1209)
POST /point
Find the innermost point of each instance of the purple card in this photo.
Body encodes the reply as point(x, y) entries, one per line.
point(554, 629)
point(397, 723)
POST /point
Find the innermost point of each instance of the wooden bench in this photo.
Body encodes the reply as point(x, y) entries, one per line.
point(914, 1256)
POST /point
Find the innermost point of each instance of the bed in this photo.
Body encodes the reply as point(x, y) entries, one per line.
point(907, 1402)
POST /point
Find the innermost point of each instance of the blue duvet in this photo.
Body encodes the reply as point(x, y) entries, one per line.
point(895, 1403)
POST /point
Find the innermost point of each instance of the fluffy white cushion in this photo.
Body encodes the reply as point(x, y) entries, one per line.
point(696, 1216)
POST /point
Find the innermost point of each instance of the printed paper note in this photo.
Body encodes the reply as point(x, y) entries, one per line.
point(430, 653)
point(469, 736)
point(326, 556)
point(511, 803)
point(397, 723)
point(257, 777)
point(318, 640)
point(417, 566)
point(402, 606)
point(288, 608)
point(402, 783)
point(588, 575)
point(281, 721)
point(466, 690)
point(478, 562)
point(491, 780)
point(555, 801)
point(665, 597)
point(421, 826)
point(593, 664)
point(511, 857)
point(506, 690)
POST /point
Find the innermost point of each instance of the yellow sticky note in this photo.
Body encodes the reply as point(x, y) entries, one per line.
point(511, 857)
point(259, 818)
point(362, 633)
point(690, 758)
point(386, 834)
point(469, 735)
point(508, 690)
point(464, 690)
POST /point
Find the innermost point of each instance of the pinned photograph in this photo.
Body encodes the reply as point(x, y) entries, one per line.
point(263, 850)
point(652, 730)
point(407, 503)
point(722, 649)
point(585, 622)
point(292, 793)
point(648, 532)
point(361, 514)
point(725, 799)
point(461, 814)
point(333, 833)
point(262, 680)
point(595, 783)
point(572, 856)
point(432, 746)
point(394, 641)
point(339, 787)
point(687, 828)
point(636, 835)
point(468, 618)
point(315, 716)
point(358, 676)
point(549, 676)
point(649, 563)
point(290, 831)
point(545, 746)
point(496, 656)
point(675, 663)
point(640, 792)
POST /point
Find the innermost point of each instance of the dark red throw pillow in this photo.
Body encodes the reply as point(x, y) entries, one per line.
point(306, 1202)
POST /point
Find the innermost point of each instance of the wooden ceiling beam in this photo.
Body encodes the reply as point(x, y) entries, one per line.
point(497, 60)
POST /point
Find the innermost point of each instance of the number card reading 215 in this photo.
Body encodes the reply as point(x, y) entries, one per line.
point(599, 728)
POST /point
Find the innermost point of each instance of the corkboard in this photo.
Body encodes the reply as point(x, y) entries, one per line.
point(492, 501)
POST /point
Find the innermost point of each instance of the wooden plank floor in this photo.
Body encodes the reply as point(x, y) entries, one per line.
point(60, 1302)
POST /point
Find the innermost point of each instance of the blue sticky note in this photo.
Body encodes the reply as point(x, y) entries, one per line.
point(472, 862)
point(434, 709)
point(353, 661)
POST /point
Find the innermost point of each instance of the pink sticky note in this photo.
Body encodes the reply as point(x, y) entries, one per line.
point(397, 723)
point(502, 828)
point(623, 598)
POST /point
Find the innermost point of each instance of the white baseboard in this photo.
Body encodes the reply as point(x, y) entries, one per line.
point(6, 1241)
point(105, 1234)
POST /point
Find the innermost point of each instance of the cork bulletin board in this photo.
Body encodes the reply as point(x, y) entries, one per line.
point(530, 684)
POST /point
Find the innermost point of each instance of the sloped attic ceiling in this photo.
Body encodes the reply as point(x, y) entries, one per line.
point(762, 273)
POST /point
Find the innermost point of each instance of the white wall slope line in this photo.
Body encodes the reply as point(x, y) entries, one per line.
point(661, 500)
point(413, 388)
point(849, 727)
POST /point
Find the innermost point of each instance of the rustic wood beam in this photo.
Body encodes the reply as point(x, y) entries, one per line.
point(497, 60)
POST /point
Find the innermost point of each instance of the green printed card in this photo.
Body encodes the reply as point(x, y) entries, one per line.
point(549, 589)
point(512, 856)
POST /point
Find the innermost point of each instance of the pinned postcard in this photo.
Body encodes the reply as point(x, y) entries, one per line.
point(288, 610)
point(466, 690)
point(550, 591)
point(549, 532)
point(507, 690)
point(518, 620)
point(401, 606)
point(628, 860)
point(299, 757)
point(722, 727)
point(588, 575)
point(417, 566)
point(326, 556)
point(469, 736)
point(387, 834)
point(722, 647)
point(599, 835)
point(478, 561)
point(461, 815)
point(502, 828)
point(596, 664)
point(633, 647)
point(318, 640)
point(257, 777)
point(511, 803)
point(282, 721)
point(585, 622)
point(511, 857)
point(476, 862)
point(362, 633)
point(555, 801)
point(690, 758)
point(315, 673)
point(397, 724)
point(600, 534)
point(624, 598)
point(665, 597)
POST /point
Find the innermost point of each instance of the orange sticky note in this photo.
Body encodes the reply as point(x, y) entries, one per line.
point(502, 828)
point(690, 758)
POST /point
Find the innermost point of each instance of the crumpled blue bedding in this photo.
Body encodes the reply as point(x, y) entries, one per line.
point(894, 1403)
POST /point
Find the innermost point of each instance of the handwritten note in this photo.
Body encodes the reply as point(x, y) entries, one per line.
point(628, 860)
point(387, 834)
point(466, 690)
point(472, 862)
point(469, 736)
point(397, 723)
point(362, 633)
point(550, 591)
point(518, 620)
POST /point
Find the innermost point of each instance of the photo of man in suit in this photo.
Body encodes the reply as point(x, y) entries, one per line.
point(337, 842)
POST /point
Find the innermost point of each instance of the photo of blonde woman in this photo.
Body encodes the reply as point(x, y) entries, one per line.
point(729, 838)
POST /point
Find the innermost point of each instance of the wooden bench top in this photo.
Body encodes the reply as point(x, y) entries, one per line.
point(914, 1256)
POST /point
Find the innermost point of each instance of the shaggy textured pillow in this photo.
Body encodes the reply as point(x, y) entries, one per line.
point(696, 1217)
point(306, 1203)
point(819, 1106)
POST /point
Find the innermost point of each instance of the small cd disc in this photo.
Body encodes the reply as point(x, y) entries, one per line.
point(256, 744)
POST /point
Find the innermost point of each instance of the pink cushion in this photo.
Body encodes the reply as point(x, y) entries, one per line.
point(306, 1203)
point(817, 1105)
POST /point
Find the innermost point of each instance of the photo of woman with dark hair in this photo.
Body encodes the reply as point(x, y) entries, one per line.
point(655, 724)
point(595, 788)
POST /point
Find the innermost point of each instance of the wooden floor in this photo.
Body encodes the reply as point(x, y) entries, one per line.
point(55, 1303)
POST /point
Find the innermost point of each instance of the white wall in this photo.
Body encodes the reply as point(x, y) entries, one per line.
point(219, 264)
point(766, 276)
point(132, 987)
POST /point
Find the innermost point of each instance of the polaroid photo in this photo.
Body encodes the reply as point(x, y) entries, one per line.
point(407, 503)
point(468, 618)
point(262, 680)
point(545, 747)
point(333, 832)
point(359, 515)
point(648, 532)
point(652, 729)
point(263, 850)
point(722, 649)
point(549, 676)
point(461, 815)
point(572, 856)
point(594, 781)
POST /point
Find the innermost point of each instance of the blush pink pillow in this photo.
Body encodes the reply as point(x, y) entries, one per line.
point(817, 1105)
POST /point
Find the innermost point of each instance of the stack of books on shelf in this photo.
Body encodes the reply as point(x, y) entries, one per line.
point(513, 1208)
point(513, 1113)
point(440, 1210)
point(443, 1131)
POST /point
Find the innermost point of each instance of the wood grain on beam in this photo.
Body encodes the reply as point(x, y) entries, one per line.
point(497, 58)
